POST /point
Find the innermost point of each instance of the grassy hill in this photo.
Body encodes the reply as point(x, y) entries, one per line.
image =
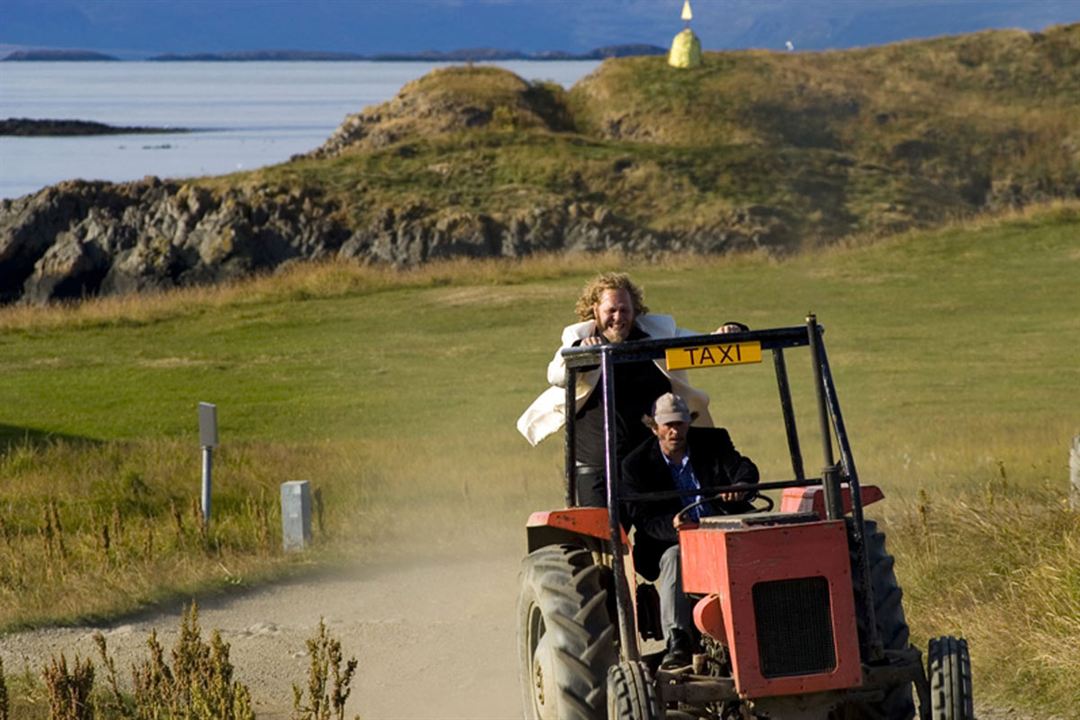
point(803, 147)
point(396, 394)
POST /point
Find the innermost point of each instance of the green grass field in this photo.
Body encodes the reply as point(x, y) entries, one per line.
point(954, 354)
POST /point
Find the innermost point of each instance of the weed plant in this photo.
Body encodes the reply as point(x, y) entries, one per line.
point(5, 702)
point(196, 684)
point(69, 690)
point(328, 680)
point(396, 395)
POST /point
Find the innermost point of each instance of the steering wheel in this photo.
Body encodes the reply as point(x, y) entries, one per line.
point(768, 505)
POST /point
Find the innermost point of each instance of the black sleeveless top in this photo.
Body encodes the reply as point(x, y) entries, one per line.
point(637, 385)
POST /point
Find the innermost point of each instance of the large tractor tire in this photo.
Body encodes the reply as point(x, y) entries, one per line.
point(566, 639)
point(892, 626)
point(950, 680)
point(631, 694)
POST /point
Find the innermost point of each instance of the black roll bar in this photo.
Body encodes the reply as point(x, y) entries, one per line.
point(607, 356)
point(834, 506)
point(874, 644)
point(637, 350)
point(583, 358)
point(624, 604)
point(788, 409)
point(571, 437)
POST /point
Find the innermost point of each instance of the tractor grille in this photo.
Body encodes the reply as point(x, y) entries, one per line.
point(794, 627)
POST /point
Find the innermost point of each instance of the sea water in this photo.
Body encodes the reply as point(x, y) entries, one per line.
point(244, 115)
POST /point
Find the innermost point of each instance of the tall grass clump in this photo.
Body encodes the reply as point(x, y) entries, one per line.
point(998, 566)
point(121, 534)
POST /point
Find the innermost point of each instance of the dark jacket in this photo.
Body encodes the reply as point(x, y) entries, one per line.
point(716, 464)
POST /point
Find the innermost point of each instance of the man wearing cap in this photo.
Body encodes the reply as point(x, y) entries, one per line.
point(698, 462)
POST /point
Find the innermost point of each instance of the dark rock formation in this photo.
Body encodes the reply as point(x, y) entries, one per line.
point(79, 239)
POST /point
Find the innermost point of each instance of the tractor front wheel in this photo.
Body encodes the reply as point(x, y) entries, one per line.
point(950, 680)
point(897, 704)
point(565, 635)
point(631, 694)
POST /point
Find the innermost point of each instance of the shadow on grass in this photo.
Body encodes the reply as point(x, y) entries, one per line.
point(12, 435)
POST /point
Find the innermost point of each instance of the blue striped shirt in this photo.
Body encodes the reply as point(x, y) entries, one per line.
point(682, 474)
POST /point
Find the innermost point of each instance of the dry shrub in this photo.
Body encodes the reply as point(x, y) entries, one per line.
point(328, 682)
point(5, 708)
point(114, 704)
point(198, 686)
point(69, 691)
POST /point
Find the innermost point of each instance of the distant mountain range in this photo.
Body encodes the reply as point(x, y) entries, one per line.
point(138, 29)
point(464, 55)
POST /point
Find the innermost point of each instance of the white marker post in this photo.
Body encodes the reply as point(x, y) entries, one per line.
point(1074, 475)
point(296, 514)
point(208, 438)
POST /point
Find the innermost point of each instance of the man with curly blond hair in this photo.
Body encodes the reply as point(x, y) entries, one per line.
point(611, 309)
point(593, 292)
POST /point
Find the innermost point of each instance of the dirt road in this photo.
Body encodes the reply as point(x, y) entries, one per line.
point(434, 639)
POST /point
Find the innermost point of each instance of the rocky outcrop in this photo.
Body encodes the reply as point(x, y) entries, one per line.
point(80, 239)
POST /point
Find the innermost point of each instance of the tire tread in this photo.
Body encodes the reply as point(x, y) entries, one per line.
point(950, 680)
point(566, 585)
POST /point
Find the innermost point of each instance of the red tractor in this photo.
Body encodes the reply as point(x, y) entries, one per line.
point(798, 609)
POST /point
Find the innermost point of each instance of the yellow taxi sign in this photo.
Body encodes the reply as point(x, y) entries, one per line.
point(713, 355)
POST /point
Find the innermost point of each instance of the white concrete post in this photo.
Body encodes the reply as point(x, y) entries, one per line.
point(296, 514)
point(1074, 475)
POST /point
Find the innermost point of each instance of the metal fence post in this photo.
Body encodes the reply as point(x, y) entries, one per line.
point(208, 438)
point(296, 514)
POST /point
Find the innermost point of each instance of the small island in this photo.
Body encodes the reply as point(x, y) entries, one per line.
point(26, 127)
point(57, 55)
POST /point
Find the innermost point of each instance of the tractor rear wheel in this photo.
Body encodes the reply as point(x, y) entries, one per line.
point(950, 680)
point(565, 635)
point(892, 626)
point(631, 694)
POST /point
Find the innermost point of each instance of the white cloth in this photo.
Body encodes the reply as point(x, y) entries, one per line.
point(547, 413)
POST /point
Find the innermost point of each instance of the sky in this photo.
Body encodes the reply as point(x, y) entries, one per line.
point(139, 28)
